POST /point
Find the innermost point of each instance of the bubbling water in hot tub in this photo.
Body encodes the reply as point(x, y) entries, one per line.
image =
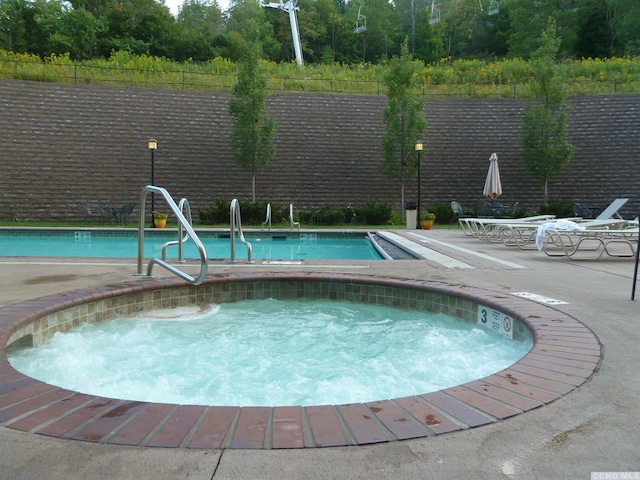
point(270, 352)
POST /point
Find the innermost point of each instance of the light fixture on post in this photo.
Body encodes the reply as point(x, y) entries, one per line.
point(153, 146)
point(418, 149)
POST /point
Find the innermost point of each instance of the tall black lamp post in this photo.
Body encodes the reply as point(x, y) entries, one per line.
point(418, 149)
point(153, 146)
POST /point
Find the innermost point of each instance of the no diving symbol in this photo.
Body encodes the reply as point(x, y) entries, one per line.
point(506, 324)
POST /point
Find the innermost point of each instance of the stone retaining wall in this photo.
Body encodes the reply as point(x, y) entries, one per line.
point(63, 146)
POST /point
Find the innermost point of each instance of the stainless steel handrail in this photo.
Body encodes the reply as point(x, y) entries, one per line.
point(181, 221)
point(267, 220)
point(234, 213)
point(185, 208)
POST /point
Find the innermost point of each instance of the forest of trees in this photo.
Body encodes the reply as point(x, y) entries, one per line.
point(482, 29)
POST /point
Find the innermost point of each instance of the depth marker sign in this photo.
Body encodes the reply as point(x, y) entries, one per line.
point(495, 320)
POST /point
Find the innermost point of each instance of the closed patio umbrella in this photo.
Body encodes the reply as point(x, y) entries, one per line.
point(492, 185)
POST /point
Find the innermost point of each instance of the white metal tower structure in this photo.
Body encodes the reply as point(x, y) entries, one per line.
point(291, 8)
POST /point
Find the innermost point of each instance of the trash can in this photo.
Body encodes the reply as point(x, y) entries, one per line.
point(411, 214)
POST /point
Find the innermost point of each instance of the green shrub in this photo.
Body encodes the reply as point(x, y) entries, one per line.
point(254, 213)
point(444, 214)
point(219, 213)
point(251, 213)
point(559, 208)
point(396, 219)
point(324, 216)
point(373, 214)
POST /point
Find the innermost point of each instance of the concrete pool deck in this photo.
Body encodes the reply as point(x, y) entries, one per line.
point(594, 428)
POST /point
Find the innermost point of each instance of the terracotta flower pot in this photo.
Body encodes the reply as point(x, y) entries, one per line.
point(426, 224)
point(160, 222)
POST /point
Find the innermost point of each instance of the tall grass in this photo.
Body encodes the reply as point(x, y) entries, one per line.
point(447, 77)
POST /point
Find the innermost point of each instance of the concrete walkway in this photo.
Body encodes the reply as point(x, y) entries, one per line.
point(593, 429)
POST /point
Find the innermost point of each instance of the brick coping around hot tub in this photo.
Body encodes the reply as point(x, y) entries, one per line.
point(565, 354)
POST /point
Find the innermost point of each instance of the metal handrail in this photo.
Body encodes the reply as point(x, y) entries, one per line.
point(267, 220)
point(185, 208)
point(234, 213)
point(181, 221)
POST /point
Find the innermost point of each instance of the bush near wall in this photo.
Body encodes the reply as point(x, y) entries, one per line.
point(371, 214)
point(559, 208)
point(254, 213)
point(251, 213)
point(443, 212)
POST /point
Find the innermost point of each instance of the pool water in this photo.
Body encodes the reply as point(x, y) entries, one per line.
point(270, 245)
point(270, 352)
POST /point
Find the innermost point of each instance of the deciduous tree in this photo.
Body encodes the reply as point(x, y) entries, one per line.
point(252, 138)
point(403, 119)
point(545, 142)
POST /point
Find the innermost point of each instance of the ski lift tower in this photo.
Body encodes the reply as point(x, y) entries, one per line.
point(290, 7)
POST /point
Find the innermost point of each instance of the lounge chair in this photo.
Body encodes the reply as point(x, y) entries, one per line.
point(458, 212)
point(107, 214)
point(92, 214)
point(528, 236)
point(582, 211)
point(483, 209)
point(510, 212)
point(591, 243)
point(125, 212)
point(611, 211)
point(490, 228)
point(615, 237)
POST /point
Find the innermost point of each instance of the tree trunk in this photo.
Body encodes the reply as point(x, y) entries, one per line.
point(253, 188)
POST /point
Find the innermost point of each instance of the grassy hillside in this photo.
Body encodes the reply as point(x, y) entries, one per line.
point(456, 78)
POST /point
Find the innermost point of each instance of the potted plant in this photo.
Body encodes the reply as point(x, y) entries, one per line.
point(159, 219)
point(426, 220)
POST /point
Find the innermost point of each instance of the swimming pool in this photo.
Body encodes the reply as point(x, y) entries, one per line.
point(124, 243)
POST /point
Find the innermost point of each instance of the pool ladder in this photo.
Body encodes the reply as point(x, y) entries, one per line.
point(183, 223)
point(236, 222)
point(185, 208)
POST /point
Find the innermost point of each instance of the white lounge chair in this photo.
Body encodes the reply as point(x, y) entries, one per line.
point(490, 228)
point(615, 237)
point(610, 211)
point(591, 243)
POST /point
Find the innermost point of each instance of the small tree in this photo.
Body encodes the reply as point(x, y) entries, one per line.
point(252, 137)
point(403, 118)
point(545, 143)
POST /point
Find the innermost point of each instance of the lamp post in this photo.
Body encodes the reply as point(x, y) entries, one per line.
point(153, 146)
point(418, 149)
